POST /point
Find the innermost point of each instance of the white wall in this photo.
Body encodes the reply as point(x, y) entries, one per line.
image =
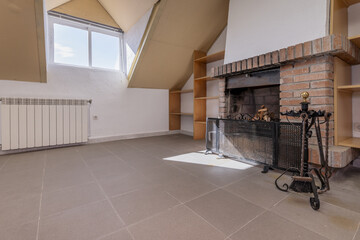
point(354, 29)
point(260, 26)
point(354, 20)
point(121, 111)
point(212, 106)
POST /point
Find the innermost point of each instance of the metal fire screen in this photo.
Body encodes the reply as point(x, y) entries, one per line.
point(277, 144)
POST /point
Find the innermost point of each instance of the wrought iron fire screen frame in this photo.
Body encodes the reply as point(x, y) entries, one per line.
point(277, 144)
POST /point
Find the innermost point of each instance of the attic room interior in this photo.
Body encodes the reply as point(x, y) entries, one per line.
point(179, 120)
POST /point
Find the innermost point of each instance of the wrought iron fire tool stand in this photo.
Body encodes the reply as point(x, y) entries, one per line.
point(303, 179)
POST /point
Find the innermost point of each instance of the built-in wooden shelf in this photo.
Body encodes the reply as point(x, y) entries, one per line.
point(351, 142)
point(351, 88)
point(182, 91)
point(351, 2)
point(206, 78)
point(205, 98)
point(211, 58)
point(355, 40)
point(183, 114)
point(201, 122)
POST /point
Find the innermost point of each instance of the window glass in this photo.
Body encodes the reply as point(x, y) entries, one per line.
point(105, 51)
point(71, 45)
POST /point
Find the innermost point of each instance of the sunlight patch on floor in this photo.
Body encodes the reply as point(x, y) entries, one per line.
point(210, 160)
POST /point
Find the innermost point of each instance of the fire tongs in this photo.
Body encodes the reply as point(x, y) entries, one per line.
point(303, 179)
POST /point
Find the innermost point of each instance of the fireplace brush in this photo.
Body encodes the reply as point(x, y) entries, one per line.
point(303, 179)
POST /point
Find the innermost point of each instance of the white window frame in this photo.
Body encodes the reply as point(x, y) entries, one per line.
point(89, 28)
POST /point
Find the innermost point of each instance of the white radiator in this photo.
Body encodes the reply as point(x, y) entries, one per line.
point(29, 123)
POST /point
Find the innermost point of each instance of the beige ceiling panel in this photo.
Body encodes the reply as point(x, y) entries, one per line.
point(192, 23)
point(156, 72)
point(22, 41)
point(179, 27)
point(50, 4)
point(87, 9)
point(127, 12)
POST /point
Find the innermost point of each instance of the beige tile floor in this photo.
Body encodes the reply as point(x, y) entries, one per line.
point(154, 189)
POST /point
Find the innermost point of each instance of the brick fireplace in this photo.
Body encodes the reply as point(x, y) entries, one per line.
point(307, 67)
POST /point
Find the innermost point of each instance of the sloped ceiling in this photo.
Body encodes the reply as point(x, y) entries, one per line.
point(22, 41)
point(127, 12)
point(87, 9)
point(178, 28)
point(50, 4)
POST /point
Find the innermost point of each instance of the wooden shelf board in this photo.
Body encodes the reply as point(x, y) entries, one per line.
point(206, 98)
point(206, 78)
point(200, 122)
point(355, 40)
point(351, 142)
point(211, 58)
point(185, 114)
point(182, 91)
point(352, 88)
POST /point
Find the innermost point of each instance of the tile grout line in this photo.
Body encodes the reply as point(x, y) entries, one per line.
point(41, 196)
point(260, 214)
point(6, 161)
point(290, 220)
point(103, 191)
point(357, 230)
point(204, 220)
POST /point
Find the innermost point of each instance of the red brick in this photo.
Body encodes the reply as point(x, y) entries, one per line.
point(323, 84)
point(286, 94)
point(322, 67)
point(322, 100)
point(268, 59)
point(283, 55)
point(299, 51)
point(238, 66)
point(233, 67)
point(287, 79)
point(275, 57)
point(286, 67)
point(337, 43)
point(290, 102)
point(314, 76)
point(243, 65)
point(316, 46)
point(228, 68)
point(255, 61)
point(261, 60)
point(327, 108)
point(317, 92)
point(294, 86)
point(249, 63)
point(327, 43)
point(307, 49)
point(290, 52)
point(293, 72)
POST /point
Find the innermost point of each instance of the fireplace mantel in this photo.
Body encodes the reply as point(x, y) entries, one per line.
point(335, 45)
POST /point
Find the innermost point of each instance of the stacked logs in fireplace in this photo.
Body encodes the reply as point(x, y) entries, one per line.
point(257, 141)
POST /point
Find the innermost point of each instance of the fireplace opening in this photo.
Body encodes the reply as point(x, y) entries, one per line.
point(246, 94)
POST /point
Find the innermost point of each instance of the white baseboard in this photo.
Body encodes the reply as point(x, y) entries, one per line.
point(186, 132)
point(130, 136)
point(93, 140)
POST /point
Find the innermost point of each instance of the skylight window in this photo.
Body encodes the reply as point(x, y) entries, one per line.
point(83, 45)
